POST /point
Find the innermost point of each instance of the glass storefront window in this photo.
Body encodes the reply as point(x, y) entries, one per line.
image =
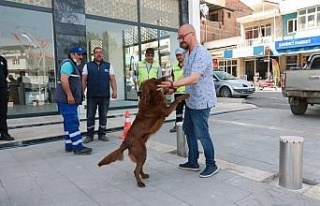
point(112, 38)
point(42, 3)
point(27, 44)
point(120, 43)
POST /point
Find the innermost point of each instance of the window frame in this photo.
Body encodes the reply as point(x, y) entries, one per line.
point(308, 18)
point(294, 26)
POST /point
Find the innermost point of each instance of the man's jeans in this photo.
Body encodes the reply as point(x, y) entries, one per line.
point(195, 126)
point(103, 106)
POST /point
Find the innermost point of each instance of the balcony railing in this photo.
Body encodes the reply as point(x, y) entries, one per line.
point(256, 41)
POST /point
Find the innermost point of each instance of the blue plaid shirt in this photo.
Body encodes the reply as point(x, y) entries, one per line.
point(202, 93)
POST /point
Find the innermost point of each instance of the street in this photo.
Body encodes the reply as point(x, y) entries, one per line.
point(251, 138)
point(268, 99)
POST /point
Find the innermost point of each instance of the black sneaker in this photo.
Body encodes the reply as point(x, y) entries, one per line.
point(103, 137)
point(173, 130)
point(68, 150)
point(209, 171)
point(88, 139)
point(83, 151)
point(6, 137)
point(189, 166)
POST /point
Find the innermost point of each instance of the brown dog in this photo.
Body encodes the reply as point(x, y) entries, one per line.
point(152, 111)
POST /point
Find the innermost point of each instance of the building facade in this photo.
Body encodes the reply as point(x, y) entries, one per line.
point(220, 31)
point(275, 32)
point(35, 37)
point(300, 33)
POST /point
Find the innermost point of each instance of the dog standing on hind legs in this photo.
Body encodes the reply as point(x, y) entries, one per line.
point(152, 111)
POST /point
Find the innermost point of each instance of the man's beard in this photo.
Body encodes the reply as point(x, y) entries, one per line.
point(184, 45)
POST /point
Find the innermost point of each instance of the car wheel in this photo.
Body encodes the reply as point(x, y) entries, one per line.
point(225, 92)
point(299, 109)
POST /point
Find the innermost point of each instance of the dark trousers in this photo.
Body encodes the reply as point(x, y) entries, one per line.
point(3, 110)
point(103, 106)
point(179, 109)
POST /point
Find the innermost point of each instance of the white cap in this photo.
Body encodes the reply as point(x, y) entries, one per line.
point(179, 51)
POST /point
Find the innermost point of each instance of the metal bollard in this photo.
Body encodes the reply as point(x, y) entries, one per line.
point(290, 163)
point(181, 141)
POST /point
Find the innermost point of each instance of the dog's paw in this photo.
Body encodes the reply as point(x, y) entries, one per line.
point(145, 176)
point(183, 97)
point(141, 184)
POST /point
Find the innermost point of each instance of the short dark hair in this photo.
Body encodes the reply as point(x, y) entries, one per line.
point(94, 50)
point(150, 51)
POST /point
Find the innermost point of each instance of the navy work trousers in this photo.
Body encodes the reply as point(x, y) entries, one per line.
point(102, 103)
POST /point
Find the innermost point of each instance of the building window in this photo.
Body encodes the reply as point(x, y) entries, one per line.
point(292, 26)
point(258, 31)
point(309, 18)
point(16, 62)
point(229, 15)
point(120, 43)
point(318, 16)
point(292, 61)
point(27, 44)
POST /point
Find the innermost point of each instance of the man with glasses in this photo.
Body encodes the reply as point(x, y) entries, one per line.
point(198, 80)
point(68, 96)
point(147, 68)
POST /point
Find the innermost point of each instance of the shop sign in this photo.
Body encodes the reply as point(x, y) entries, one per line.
point(217, 53)
point(296, 43)
point(243, 52)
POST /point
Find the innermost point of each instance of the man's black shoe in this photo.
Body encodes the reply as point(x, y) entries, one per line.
point(103, 137)
point(83, 151)
point(6, 137)
point(88, 139)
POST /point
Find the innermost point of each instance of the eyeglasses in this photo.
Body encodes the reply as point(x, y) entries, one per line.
point(184, 36)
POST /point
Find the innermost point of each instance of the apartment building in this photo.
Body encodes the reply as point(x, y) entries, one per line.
point(220, 30)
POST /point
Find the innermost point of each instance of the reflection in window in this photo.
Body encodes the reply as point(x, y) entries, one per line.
point(28, 48)
point(123, 50)
point(115, 40)
point(42, 3)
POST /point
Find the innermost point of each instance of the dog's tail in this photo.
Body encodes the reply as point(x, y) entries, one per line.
point(115, 155)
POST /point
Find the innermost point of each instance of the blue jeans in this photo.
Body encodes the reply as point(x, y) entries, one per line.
point(72, 137)
point(195, 126)
point(103, 106)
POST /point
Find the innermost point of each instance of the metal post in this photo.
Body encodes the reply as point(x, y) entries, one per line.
point(181, 141)
point(290, 164)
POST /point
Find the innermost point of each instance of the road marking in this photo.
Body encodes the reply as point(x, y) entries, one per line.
point(263, 126)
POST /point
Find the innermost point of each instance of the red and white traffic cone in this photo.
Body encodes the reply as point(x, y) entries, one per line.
point(127, 125)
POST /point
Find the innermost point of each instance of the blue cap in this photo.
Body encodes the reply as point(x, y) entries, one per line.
point(77, 50)
point(179, 51)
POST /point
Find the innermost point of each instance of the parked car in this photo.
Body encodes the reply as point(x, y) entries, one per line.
point(227, 85)
point(266, 84)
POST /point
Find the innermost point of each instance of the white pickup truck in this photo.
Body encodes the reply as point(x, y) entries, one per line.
point(302, 85)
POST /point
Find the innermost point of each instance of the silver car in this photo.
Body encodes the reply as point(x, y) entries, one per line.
point(227, 85)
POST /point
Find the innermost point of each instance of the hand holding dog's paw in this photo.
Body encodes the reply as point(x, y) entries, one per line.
point(183, 97)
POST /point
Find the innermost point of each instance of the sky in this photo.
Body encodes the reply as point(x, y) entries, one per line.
point(251, 2)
